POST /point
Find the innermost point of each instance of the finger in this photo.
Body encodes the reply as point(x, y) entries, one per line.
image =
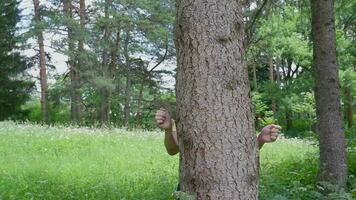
point(161, 114)
point(158, 114)
point(159, 121)
point(159, 118)
point(276, 126)
point(274, 135)
point(275, 130)
point(273, 138)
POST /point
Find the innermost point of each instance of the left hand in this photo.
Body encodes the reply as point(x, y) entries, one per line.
point(269, 133)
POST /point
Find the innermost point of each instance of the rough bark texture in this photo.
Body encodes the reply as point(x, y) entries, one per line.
point(332, 140)
point(42, 65)
point(217, 141)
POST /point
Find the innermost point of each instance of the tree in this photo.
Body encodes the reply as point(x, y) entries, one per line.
point(14, 90)
point(42, 62)
point(333, 165)
point(74, 66)
point(346, 49)
point(215, 125)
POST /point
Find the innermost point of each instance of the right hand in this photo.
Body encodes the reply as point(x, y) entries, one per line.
point(163, 119)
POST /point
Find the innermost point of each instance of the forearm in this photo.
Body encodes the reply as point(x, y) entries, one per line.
point(170, 143)
point(260, 142)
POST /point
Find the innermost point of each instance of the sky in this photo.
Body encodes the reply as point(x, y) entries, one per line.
point(59, 60)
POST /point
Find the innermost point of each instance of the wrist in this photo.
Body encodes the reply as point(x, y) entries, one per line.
point(170, 127)
point(168, 130)
point(260, 139)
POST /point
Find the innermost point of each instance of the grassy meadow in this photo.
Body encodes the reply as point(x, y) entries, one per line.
point(86, 163)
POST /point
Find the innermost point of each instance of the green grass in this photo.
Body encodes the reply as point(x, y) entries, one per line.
point(81, 163)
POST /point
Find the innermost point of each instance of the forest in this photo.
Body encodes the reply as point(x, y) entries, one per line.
point(106, 66)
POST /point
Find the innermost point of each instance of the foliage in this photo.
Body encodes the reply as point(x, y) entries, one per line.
point(14, 88)
point(263, 115)
point(89, 163)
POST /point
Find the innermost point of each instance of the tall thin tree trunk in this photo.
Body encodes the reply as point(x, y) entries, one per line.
point(216, 134)
point(349, 109)
point(348, 114)
point(74, 67)
point(254, 75)
point(333, 165)
point(139, 106)
point(289, 122)
point(104, 91)
point(42, 65)
point(278, 76)
point(271, 78)
point(113, 69)
point(80, 57)
point(127, 108)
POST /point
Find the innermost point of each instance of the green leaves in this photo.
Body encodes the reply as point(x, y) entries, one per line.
point(14, 88)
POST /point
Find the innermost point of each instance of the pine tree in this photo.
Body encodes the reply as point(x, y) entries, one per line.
point(333, 165)
point(14, 91)
point(42, 61)
point(215, 125)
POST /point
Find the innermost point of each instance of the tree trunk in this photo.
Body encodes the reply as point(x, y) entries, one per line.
point(289, 122)
point(139, 106)
point(333, 165)
point(348, 103)
point(80, 60)
point(74, 67)
point(42, 65)
point(127, 108)
point(254, 75)
point(113, 69)
point(104, 91)
point(271, 78)
point(217, 141)
point(349, 108)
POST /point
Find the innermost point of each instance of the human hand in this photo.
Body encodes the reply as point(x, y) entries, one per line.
point(269, 134)
point(163, 119)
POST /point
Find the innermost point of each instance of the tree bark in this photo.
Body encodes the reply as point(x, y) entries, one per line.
point(217, 142)
point(333, 165)
point(42, 65)
point(73, 65)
